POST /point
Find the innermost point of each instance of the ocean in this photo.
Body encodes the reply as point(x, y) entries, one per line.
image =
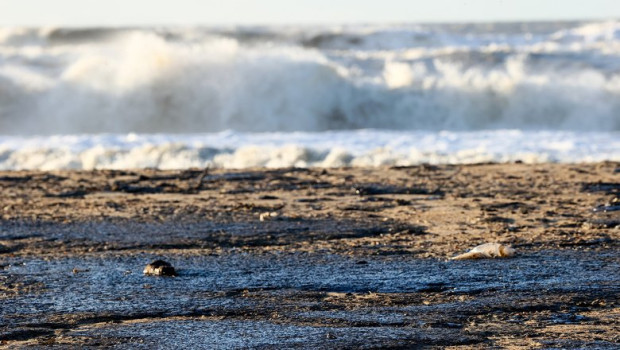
point(330, 95)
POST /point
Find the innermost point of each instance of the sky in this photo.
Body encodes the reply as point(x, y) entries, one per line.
point(212, 12)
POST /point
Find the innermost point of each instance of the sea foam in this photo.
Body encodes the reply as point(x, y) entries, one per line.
point(301, 149)
point(454, 93)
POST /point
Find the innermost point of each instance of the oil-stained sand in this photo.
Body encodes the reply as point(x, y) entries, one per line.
point(349, 257)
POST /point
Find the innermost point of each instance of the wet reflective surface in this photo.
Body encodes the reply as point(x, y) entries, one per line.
point(298, 299)
point(311, 258)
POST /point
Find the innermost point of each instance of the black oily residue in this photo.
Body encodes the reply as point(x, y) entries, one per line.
point(606, 208)
point(377, 189)
point(607, 187)
point(306, 296)
point(126, 235)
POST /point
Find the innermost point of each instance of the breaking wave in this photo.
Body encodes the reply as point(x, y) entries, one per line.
point(555, 76)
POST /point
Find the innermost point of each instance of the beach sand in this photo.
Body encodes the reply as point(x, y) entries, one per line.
point(312, 258)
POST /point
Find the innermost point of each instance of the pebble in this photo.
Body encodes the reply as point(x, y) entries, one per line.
point(159, 268)
point(268, 216)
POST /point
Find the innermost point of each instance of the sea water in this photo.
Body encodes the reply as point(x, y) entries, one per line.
point(355, 95)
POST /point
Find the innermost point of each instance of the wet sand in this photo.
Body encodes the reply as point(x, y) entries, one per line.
point(312, 258)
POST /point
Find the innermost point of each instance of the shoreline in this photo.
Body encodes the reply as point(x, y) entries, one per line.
point(315, 254)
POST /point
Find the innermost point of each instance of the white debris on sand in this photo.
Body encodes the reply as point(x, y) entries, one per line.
point(268, 216)
point(488, 250)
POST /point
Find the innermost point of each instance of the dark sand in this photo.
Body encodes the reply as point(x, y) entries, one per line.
point(350, 258)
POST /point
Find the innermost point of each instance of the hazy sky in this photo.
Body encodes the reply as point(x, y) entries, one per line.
point(153, 12)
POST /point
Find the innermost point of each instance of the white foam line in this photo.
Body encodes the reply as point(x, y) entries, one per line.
point(326, 149)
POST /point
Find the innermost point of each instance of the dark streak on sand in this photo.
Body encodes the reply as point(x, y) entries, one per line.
point(350, 258)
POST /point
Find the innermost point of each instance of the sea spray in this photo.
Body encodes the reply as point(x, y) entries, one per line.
point(370, 95)
point(324, 78)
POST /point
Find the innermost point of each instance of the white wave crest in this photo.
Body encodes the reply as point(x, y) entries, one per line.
point(207, 81)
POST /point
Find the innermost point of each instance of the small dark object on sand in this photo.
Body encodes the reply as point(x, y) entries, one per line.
point(375, 189)
point(159, 268)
